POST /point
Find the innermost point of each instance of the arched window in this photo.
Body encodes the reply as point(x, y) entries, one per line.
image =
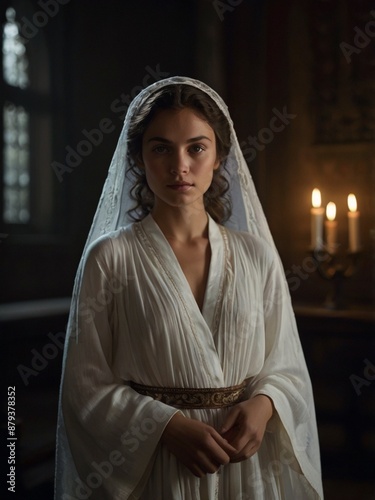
point(26, 187)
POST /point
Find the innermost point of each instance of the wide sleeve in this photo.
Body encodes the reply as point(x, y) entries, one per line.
point(112, 431)
point(285, 379)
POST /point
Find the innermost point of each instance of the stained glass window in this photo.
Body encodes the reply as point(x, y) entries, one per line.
point(16, 171)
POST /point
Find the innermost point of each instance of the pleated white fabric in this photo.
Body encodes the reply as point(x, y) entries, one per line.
point(134, 318)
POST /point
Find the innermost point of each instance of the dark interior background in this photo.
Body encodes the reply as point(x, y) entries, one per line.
point(313, 59)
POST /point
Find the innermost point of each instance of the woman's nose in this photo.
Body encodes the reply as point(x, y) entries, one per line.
point(180, 163)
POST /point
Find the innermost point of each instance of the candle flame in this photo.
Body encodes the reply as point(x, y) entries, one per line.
point(316, 198)
point(331, 211)
point(352, 203)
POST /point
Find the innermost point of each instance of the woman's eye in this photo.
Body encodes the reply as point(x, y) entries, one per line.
point(160, 149)
point(197, 148)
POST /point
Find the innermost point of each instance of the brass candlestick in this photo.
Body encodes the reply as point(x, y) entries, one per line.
point(335, 267)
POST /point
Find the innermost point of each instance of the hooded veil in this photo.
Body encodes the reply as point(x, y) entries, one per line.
point(299, 449)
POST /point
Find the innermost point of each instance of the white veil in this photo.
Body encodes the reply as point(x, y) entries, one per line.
point(247, 214)
point(112, 213)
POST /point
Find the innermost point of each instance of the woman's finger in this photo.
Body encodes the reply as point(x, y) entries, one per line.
point(247, 452)
point(230, 420)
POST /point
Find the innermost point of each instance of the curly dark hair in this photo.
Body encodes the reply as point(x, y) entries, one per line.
point(179, 96)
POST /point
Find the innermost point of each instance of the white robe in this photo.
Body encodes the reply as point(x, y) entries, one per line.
point(139, 322)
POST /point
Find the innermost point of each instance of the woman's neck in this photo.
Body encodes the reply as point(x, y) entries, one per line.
point(182, 225)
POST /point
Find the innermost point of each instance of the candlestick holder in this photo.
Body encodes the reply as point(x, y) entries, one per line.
point(335, 267)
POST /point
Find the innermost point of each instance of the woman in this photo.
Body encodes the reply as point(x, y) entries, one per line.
point(183, 376)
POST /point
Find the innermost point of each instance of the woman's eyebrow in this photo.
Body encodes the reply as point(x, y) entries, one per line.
point(166, 141)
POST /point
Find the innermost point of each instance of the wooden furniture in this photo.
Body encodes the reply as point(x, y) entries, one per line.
point(339, 348)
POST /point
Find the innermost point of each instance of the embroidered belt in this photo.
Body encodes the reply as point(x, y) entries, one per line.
point(192, 398)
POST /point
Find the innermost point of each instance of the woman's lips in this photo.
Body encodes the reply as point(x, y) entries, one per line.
point(180, 187)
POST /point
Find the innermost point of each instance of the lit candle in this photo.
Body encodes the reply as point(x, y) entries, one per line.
point(353, 221)
point(317, 216)
point(331, 227)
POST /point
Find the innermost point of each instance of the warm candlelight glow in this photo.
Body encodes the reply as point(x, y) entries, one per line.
point(331, 211)
point(353, 224)
point(352, 203)
point(316, 198)
point(317, 219)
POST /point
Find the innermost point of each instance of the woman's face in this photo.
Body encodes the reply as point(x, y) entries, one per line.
point(179, 158)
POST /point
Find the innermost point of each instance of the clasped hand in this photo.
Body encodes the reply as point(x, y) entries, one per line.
point(203, 449)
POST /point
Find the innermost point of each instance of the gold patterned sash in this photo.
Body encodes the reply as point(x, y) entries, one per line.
point(194, 398)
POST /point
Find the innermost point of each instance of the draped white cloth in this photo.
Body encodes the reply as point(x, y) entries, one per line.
point(134, 318)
